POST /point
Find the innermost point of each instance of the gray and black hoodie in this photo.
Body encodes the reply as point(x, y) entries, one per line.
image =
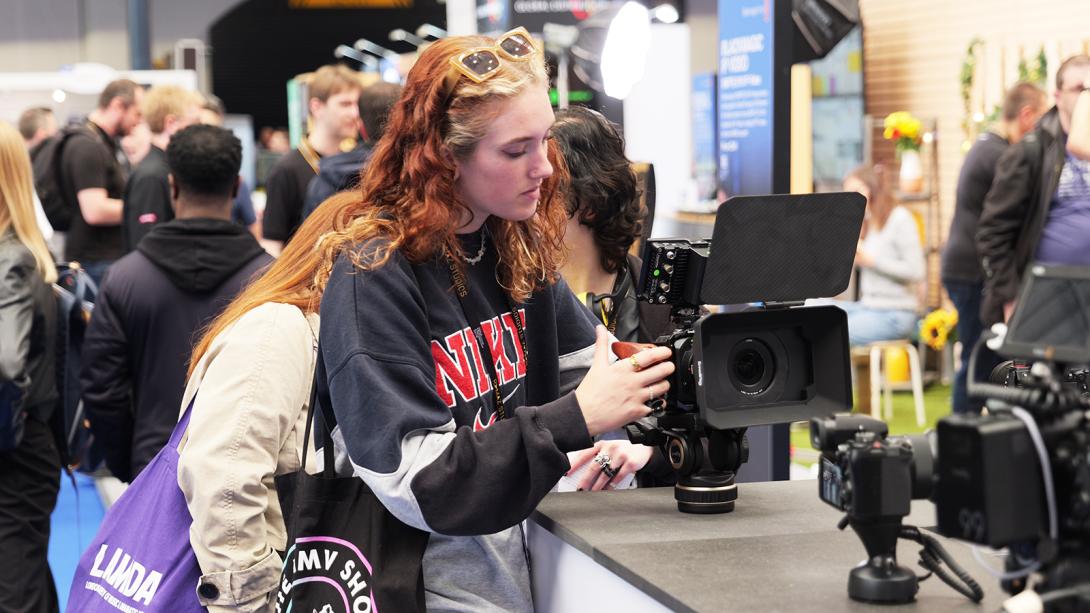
point(415, 413)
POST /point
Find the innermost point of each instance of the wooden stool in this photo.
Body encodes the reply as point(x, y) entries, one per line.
point(872, 381)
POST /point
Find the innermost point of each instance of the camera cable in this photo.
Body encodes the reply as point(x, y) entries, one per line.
point(934, 555)
point(1081, 591)
point(1028, 566)
point(1030, 601)
point(1046, 468)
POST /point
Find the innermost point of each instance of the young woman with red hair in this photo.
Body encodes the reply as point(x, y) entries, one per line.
point(460, 368)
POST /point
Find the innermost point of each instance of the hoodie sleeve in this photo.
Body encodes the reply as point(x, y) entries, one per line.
point(575, 336)
point(400, 436)
point(106, 381)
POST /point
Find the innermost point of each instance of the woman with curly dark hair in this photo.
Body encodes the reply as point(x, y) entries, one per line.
point(605, 217)
point(459, 366)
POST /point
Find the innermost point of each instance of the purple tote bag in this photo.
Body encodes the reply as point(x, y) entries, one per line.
point(141, 560)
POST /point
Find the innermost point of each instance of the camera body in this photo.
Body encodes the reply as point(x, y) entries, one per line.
point(868, 478)
point(866, 473)
point(673, 271)
point(985, 461)
point(873, 478)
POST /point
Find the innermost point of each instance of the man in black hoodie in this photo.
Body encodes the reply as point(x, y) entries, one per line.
point(155, 300)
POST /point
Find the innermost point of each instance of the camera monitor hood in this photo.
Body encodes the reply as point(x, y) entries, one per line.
point(1052, 319)
point(782, 248)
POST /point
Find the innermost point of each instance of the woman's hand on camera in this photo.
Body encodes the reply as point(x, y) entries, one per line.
point(625, 458)
point(612, 395)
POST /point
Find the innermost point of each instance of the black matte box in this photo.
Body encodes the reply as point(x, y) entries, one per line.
point(989, 485)
point(812, 370)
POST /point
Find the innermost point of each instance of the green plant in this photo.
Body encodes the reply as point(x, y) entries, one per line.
point(1038, 72)
point(968, 75)
point(1032, 70)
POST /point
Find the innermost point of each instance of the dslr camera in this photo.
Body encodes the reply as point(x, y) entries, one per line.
point(771, 360)
point(873, 478)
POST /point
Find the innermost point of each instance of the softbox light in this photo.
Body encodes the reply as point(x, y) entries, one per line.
point(611, 50)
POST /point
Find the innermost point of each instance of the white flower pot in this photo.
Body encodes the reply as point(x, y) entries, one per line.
point(911, 172)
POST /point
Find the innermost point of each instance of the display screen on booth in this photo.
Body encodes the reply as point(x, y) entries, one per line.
point(746, 94)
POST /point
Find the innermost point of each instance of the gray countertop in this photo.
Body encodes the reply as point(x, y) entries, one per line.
point(779, 550)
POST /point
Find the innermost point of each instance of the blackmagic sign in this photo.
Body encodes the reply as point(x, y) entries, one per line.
point(754, 145)
point(755, 57)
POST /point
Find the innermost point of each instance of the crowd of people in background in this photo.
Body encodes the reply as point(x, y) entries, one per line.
point(341, 284)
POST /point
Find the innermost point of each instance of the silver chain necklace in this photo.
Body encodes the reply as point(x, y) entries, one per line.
point(480, 253)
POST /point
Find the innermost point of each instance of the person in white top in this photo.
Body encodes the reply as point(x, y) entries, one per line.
point(890, 260)
point(249, 380)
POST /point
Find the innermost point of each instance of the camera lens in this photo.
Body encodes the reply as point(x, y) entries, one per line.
point(751, 366)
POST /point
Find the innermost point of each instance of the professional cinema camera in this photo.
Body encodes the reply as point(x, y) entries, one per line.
point(1017, 478)
point(775, 362)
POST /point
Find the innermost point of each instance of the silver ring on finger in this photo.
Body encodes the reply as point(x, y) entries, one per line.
point(609, 472)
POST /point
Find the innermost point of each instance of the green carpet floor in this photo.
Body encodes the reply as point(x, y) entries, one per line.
point(936, 400)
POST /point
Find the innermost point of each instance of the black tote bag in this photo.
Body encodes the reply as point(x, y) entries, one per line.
point(346, 552)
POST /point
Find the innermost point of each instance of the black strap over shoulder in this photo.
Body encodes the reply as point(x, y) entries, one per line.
point(329, 421)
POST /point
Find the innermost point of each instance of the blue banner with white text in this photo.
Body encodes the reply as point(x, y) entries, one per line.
point(746, 94)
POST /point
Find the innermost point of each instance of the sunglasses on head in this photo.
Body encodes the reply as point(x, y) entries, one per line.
point(481, 63)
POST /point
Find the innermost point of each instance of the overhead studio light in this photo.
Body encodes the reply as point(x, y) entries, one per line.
point(425, 30)
point(611, 50)
point(388, 60)
point(367, 63)
point(400, 35)
point(377, 50)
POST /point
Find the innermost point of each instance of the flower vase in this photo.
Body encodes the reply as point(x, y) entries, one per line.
point(911, 178)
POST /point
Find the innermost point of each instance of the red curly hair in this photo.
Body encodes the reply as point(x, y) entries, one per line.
point(409, 192)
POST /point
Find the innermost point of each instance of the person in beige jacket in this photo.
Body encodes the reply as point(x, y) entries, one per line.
point(250, 381)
